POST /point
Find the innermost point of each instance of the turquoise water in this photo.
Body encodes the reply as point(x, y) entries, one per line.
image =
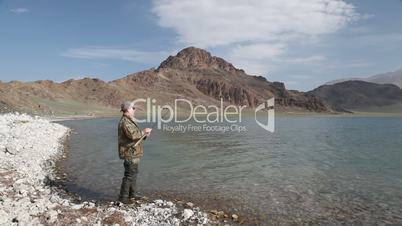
point(318, 170)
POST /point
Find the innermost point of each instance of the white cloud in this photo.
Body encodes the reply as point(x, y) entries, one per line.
point(19, 10)
point(254, 33)
point(254, 67)
point(304, 60)
point(96, 52)
point(258, 51)
point(209, 23)
point(264, 65)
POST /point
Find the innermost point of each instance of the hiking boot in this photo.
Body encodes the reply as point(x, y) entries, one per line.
point(135, 197)
point(126, 201)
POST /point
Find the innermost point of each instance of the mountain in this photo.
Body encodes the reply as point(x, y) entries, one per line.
point(361, 96)
point(193, 74)
point(394, 77)
point(81, 96)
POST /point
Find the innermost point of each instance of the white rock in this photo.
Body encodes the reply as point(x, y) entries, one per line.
point(3, 217)
point(235, 217)
point(54, 199)
point(53, 215)
point(169, 204)
point(158, 202)
point(128, 218)
point(187, 213)
point(76, 207)
point(112, 209)
point(65, 202)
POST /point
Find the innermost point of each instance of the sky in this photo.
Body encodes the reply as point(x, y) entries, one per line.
point(303, 43)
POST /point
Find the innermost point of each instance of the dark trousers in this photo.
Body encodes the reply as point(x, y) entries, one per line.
point(128, 184)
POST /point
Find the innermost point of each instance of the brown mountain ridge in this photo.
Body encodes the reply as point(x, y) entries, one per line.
point(362, 96)
point(193, 74)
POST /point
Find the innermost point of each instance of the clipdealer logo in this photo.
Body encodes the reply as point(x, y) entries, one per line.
point(269, 106)
point(211, 118)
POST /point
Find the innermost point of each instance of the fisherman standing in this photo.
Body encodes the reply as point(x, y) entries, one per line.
point(130, 133)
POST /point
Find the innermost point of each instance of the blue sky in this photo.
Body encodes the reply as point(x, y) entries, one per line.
point(301, 43)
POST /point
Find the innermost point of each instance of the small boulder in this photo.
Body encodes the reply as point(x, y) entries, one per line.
point(235, 217)
point(76, 207)
point(187, 213)
point(158, 202)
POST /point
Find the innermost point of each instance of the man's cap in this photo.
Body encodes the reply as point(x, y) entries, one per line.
point(126, 105)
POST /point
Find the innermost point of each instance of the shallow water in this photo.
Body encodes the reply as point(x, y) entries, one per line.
point(319, 170)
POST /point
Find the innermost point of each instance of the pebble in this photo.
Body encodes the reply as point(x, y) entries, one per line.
point(169, 204)
point(128, 218)
point(187, 213)
point(53, 215)
point(76, 207)
point(235, 217)
point(158, 202)
point(190, 204)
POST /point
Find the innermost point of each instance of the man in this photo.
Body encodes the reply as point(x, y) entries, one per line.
point(128, 134)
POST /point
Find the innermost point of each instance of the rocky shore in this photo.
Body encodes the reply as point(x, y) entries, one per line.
point(29, 147)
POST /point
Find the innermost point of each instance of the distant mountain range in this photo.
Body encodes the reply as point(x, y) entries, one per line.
point(394, 77)
point(193, 74)
point(379, 93)
point(196, 75)
point(362, 96)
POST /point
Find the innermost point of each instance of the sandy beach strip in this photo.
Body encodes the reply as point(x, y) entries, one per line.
point(29, 147)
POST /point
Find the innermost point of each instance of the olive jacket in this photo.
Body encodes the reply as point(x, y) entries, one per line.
point(129, 133)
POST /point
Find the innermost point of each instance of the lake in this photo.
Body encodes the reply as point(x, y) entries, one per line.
point(322, 170)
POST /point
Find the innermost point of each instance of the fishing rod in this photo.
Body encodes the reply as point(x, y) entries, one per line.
point(152, 127)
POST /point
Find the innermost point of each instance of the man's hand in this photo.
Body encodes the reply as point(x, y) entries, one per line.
point(147, 131)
